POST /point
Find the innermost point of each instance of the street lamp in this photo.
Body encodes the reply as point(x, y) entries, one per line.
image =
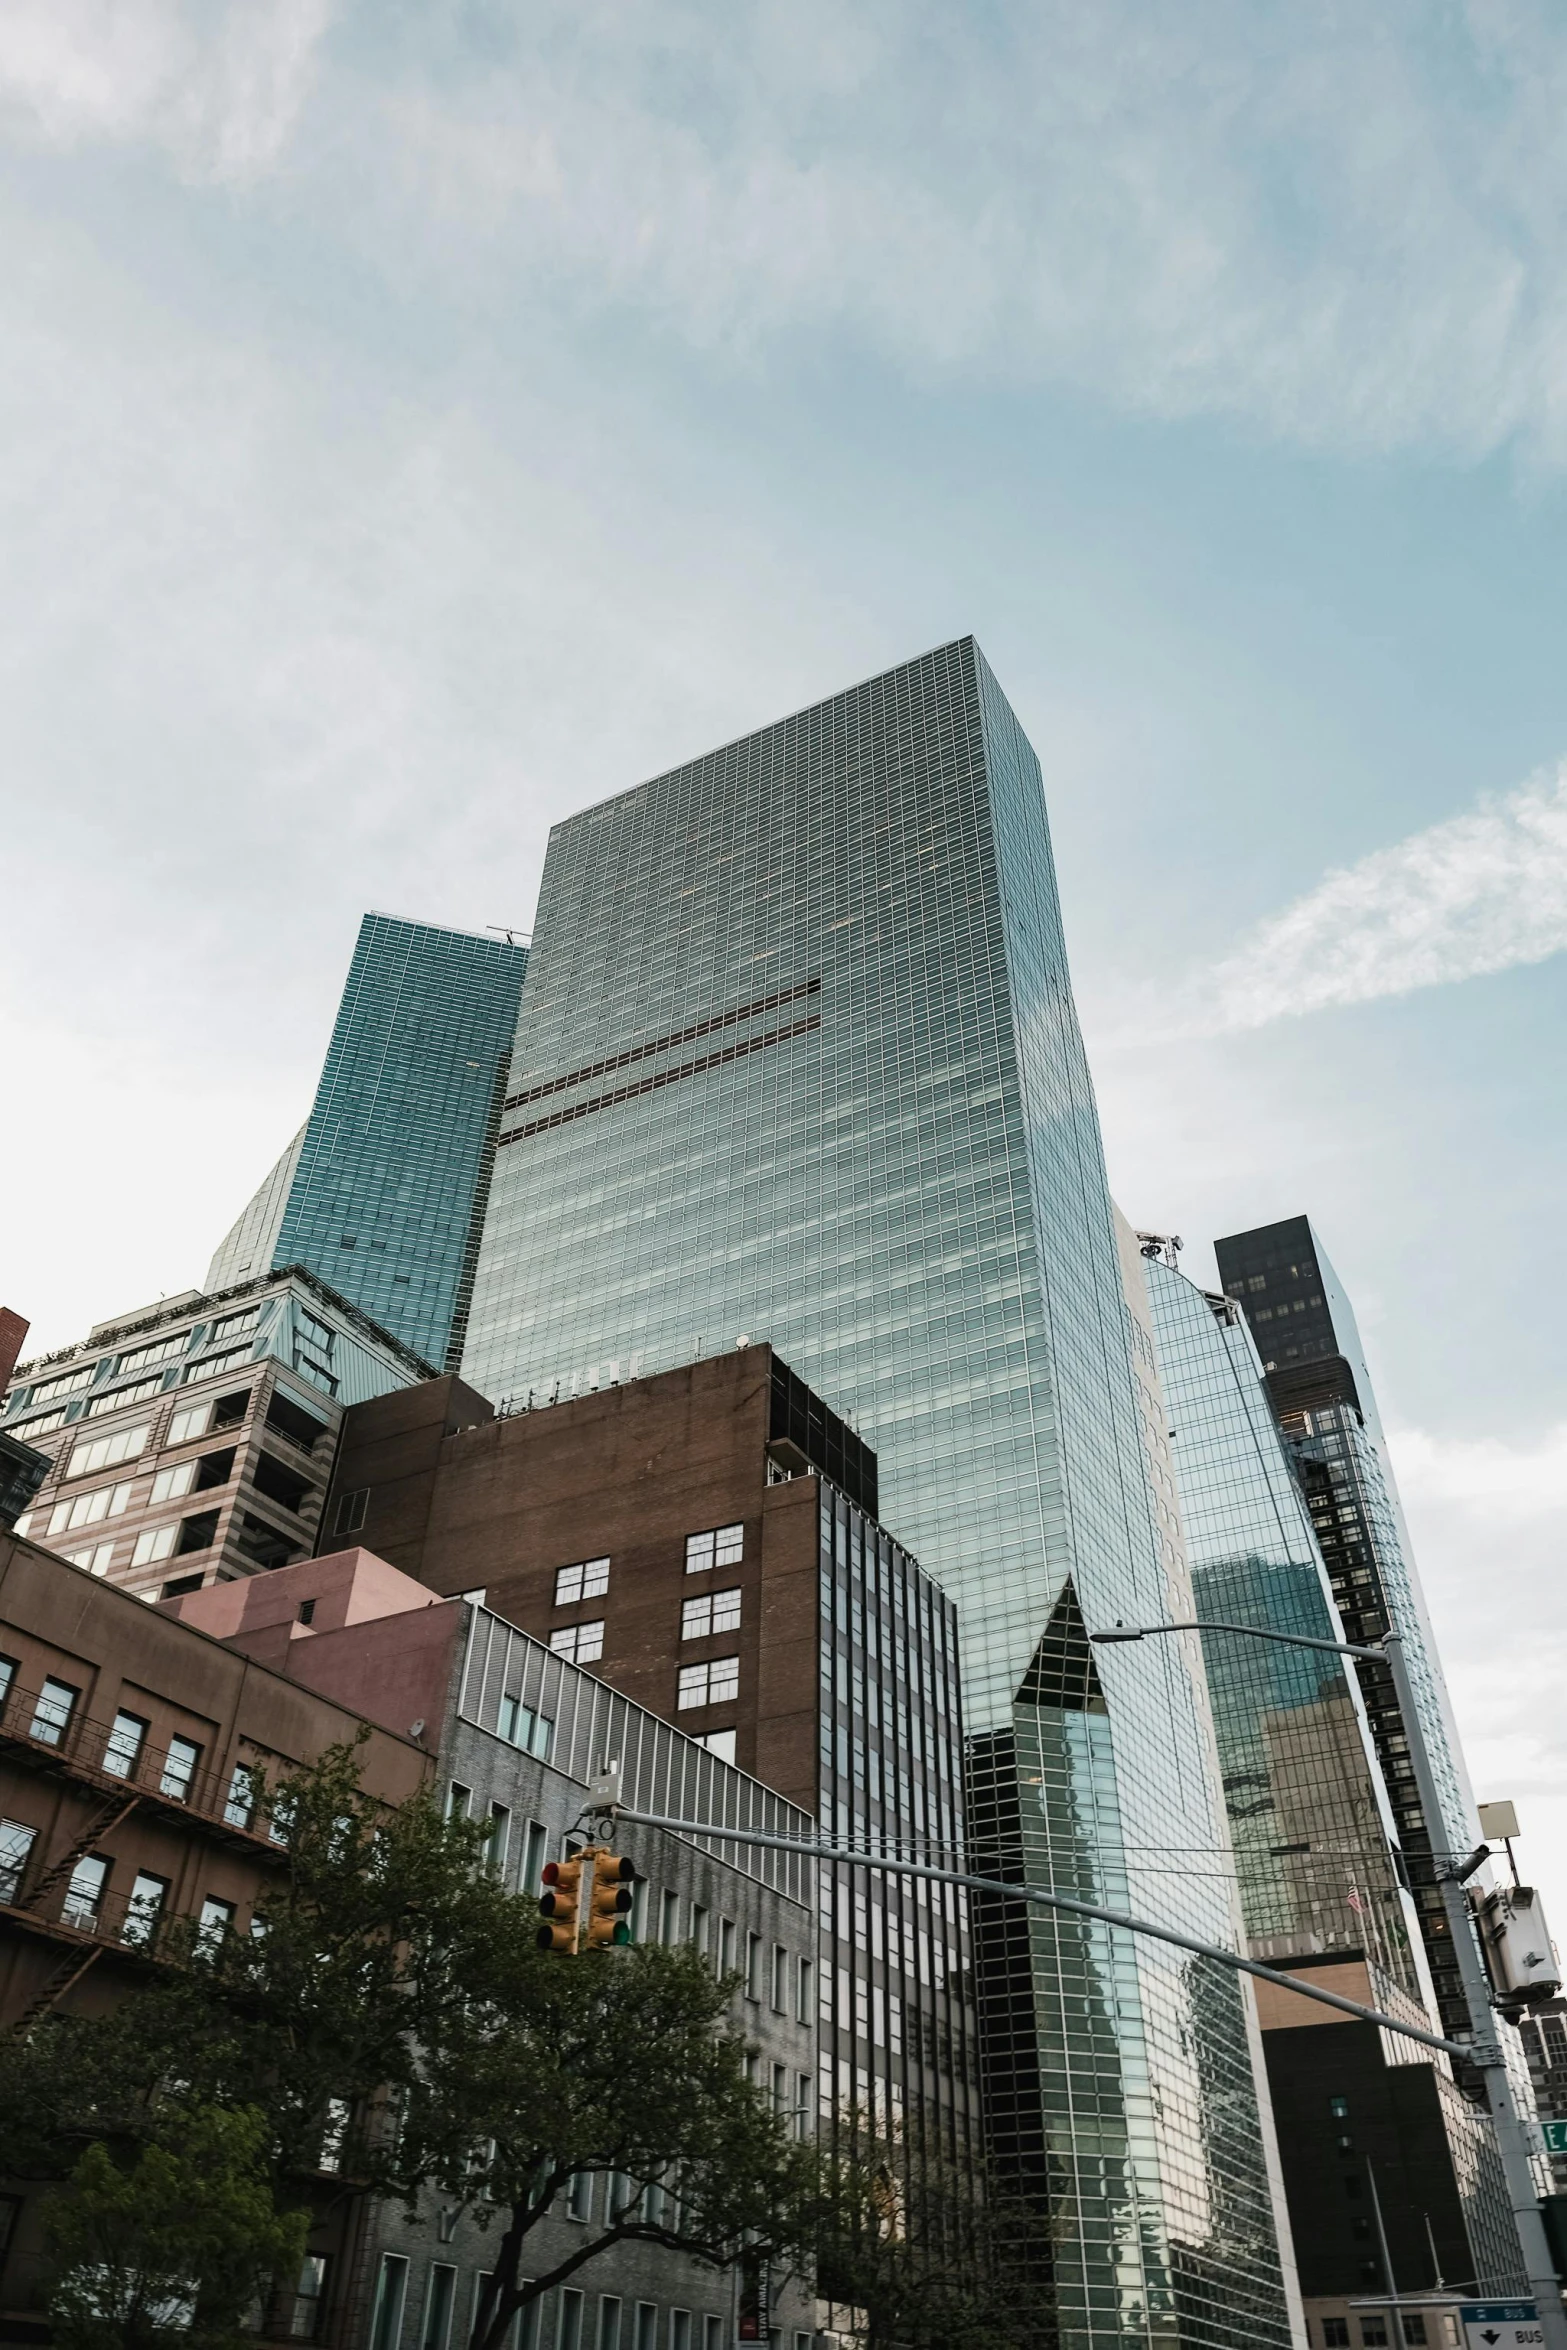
point(1512, 2141)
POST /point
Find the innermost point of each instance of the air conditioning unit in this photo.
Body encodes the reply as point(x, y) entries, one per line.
point(1518, 1948)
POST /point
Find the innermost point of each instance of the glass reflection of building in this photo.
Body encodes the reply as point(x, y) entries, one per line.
point(1308, 1821)
point(1324, 1405)
point(798, 1060)
point(382, 1192)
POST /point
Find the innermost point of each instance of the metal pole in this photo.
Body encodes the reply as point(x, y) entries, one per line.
point(1512, 2142)
point(1064, 1901)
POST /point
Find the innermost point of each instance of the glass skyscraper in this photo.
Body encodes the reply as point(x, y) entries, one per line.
point(383, 1194)
point(799, 1061)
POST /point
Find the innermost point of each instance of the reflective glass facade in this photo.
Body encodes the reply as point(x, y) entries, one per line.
point(1304, 1796)
point(386, 1201)
point(798, 1060)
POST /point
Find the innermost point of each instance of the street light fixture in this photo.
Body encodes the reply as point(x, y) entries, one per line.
point(1512, 2141)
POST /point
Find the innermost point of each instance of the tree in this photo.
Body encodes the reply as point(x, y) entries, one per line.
point(174, 2248)
point(395, 1998)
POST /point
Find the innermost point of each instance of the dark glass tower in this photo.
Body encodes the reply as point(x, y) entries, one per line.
point(1326, 1410)
point(383, 1194)
point(801, 1063)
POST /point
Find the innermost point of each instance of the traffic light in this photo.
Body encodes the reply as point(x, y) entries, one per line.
point(609, 1904)
point(561, 1903)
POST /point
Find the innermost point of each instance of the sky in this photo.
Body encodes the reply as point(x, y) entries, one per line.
point(418, 421)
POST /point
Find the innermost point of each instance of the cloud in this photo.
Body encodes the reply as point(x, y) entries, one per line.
point(1341, 226)
point(1479, 892)
point(218, 87)
point(1522, 1484)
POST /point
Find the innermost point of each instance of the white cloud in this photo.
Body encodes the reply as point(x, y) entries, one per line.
point(217, 86)
point(1479, 892)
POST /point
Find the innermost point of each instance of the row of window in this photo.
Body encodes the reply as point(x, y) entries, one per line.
point(125, 1746)
point(720, 1546)
point(1376, 2333)
point(569, 2319)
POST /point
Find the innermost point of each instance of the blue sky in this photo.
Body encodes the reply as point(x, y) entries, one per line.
point(418, 421)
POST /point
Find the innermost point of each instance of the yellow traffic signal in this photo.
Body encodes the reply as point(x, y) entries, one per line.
point(609, 1924)
point(561, 1904)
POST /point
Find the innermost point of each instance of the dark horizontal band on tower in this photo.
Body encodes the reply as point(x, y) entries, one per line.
point(661, 1044)
point(624, 1093)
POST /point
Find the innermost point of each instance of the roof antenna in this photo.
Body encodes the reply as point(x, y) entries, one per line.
point(510, 932)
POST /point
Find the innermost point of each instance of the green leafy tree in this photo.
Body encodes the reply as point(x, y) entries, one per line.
point(175, 2247)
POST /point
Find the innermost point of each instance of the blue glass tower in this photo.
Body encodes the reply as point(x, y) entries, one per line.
point(383, 1195)
point(801, 1063)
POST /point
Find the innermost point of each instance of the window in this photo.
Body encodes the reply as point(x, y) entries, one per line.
point(710, 1684)
point(119, 1397)
point(1335, 2333)
point(647, 2326)
point(680, 2329)
point(802, 2105)
point(192, 1421)
point(579, 2196)
point(334, 2131)
point(459, 1800)
point(724, 1547)
point(439, 2294)
point(88, 1509)
point(52, 1713)
point(240, 1808)
point(162, 1350)
point(590, 1580)
point(173, 1484)
point(580, 1644)
point(96, 1558)
point(802, 1991)
point(1339, 2108)
point(179, 1768)
point(85, 1892)
point(31, 1430)
point(310, 2298)
point(753, 1966)
point(669, 1918)
point(570, 2334)
point(1373, 2332)
point(106, 1452)
point(215, 1920)
point(210, 1365)
point(499, 1849)
point(122, 1752)
point(609, 2323)
point(318, 1374)
point(7, 1677)
point(71, 1384)
point(143, 1908)
point(719, 1742)
point(726, 1946)
point(154, 1543)
point(781, 2090)
point(780, 1981)
point(1415, 2330)
point(351, 1509)
point(533, 1855)
point(319, 1334)
point(391, 2291)
point(714, 1611)
point(16, 1842)
point(232, 1324)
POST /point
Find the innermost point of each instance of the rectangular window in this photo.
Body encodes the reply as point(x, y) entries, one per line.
point(699, 1924)
point(781, 2091)
point(179, 1768)
point(16, 1842)
point(609, 2322)
point(162, 1350)
point(723, 1547)
point(647, 2326)
point(590, 1580)
point(52, 1713)
point(96, 1558)
point(570, 2334)
point(802, 2105)
point(310, 2298)
point(211, 1365)
point(71, 1384)
point(137, 1392)
point(173, 1484)
point(215, 1920)
point(713, 1611)
point(439, 2294)
point(802, 1991)
point(779, 1986)
point(753, 1966)
point(106, 1452)
point(717, 1683)
point(580, 1644)
point(498, 1851)
point(726, 1946)
point(8, 1672)
point(1335, 2333)
point(240, 1808)
point(192, 1421)
point(459, 1800)
point(719, 1742)
point(351, 1508)
point(533, 1856)
point(669, 1918)
point(320, 1334)
point(1415, 2330)
point(154, 1543)
point(317, 1373)
point(143, 1909)
point(391, 2289)
point(232, 1324)
point(88, 1509)
point(680, 2329)
point(122, 1752)
point(85, 1892)
point(1373, 2332)
point(579, 2196)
